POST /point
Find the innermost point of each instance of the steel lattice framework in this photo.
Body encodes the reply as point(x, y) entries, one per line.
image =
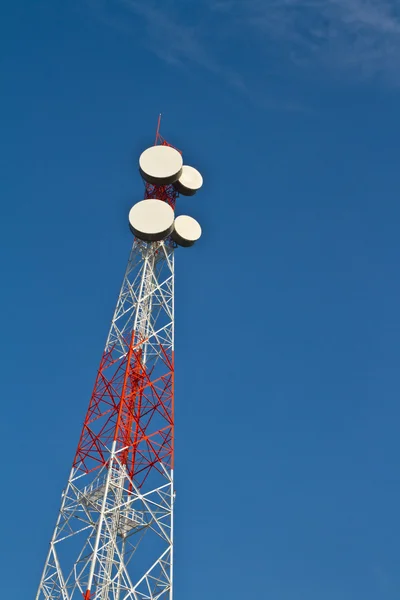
point(113, 537)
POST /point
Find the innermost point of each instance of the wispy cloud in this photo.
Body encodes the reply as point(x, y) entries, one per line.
point(357, 36)
point(170, 38)
point(170, 34)
point(188, 33)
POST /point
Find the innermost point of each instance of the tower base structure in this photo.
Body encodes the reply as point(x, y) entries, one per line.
point(113, 536)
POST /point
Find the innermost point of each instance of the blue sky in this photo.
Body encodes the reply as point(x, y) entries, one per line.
point(287, 323)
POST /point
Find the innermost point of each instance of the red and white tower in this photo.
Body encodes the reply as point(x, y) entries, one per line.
point(113, 538)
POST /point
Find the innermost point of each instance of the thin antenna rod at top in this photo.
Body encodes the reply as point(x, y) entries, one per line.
point(158, 129)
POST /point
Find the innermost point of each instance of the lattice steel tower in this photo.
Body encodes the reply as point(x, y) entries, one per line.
point(113, 538)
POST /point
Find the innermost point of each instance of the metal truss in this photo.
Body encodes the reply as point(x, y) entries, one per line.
point(114, 533)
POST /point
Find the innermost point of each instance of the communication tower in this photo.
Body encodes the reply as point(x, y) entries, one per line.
point(113, 538)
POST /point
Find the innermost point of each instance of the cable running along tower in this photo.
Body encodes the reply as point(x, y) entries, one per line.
point(113, 538)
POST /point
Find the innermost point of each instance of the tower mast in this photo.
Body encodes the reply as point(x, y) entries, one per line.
point(113, 538)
